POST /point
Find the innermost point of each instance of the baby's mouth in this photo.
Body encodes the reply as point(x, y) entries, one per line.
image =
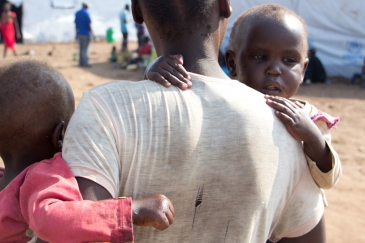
point(271, 90)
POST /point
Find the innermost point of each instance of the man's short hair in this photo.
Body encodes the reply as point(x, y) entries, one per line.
point(176, 18)
point(272, 12)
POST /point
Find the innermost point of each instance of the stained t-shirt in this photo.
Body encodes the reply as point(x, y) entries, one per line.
point(217, 151)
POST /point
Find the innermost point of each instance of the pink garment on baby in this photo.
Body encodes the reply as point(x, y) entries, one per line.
point(328, 119)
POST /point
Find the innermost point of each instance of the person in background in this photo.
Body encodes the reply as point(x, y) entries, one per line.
point(124, 19)
point(141, 29)
point(83, 34)
point(315, 72)
point(360, 76)
point(141, 55)
point(9, 28)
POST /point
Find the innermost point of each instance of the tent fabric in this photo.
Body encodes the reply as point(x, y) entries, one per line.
point(53, 20)
point(335, 29)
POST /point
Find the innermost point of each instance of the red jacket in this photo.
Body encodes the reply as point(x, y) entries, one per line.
point(45, 198)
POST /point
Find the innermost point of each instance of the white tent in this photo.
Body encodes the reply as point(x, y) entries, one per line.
point(335, 27)
point(53, 20)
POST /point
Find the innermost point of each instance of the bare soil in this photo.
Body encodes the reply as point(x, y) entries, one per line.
point(345, 216)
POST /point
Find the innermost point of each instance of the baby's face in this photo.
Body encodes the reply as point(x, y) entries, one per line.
point(271, 57)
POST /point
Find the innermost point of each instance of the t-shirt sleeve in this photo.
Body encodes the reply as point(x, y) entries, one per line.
point(302, 212)
point(53, 207)
point(90, 145)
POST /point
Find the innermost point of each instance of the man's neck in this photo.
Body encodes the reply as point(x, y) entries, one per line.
point(200, 59)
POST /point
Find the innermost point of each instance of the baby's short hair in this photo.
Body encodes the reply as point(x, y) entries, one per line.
point(272, 12)
point(33, 94)
point(177, 17)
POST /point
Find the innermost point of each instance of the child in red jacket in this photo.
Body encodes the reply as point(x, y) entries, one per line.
point(43, 197)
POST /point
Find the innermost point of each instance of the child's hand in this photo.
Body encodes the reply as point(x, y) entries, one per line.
point(167, 70)
point(156, 211)
point(297, 122)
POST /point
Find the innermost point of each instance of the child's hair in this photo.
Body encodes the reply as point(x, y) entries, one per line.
point(34, 98)
point(178, 17)
point(271, 12)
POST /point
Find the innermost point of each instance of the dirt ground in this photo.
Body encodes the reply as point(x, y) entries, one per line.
point(345, 216)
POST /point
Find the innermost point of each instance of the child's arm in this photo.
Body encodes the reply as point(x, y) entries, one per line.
point(167, 70)
point(316, 147)
point(52, 206)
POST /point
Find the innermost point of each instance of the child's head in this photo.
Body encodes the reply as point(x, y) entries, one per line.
point(7, 6)
point(36, 104)
point(268, 50)
point(144, 40)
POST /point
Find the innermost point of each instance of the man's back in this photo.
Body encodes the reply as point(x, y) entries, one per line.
point(216, 151)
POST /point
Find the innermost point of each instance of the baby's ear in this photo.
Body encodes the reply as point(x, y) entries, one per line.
point(57, 135)
point(231, 63)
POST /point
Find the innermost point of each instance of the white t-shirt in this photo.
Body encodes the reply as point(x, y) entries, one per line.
point(217, 151)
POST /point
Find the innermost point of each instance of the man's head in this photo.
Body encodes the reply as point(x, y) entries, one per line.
point(268, 50)
point(36, 104)
point(180, 20)
point(126, 7)
point(85, 5)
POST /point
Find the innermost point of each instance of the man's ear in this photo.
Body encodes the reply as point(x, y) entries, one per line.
point(231, 63)
point(136, 12)
point(305, 65)
point(58, 134)
point(226, 9)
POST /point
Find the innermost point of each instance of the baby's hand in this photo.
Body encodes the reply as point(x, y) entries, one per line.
point(156, 211)
point(167, 70)
point(296, 120)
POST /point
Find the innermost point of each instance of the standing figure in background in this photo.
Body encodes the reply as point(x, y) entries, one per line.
point(9, 27)
point(315, 72)
point(124, 19)
point(360, 76)
point(141, 30)
point(83, 34)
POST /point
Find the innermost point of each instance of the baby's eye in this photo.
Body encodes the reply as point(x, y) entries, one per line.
point(258, 56)
point(289, 60)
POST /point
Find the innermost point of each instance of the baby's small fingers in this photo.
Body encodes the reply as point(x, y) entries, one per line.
point(300, 105)
point(178, 57)
point(158, 78)
point(169, 216)
point(171, 207)
point(178, 67)
point(287, 120)
point(162, 223)
point(279, 107)
point(174, 80)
